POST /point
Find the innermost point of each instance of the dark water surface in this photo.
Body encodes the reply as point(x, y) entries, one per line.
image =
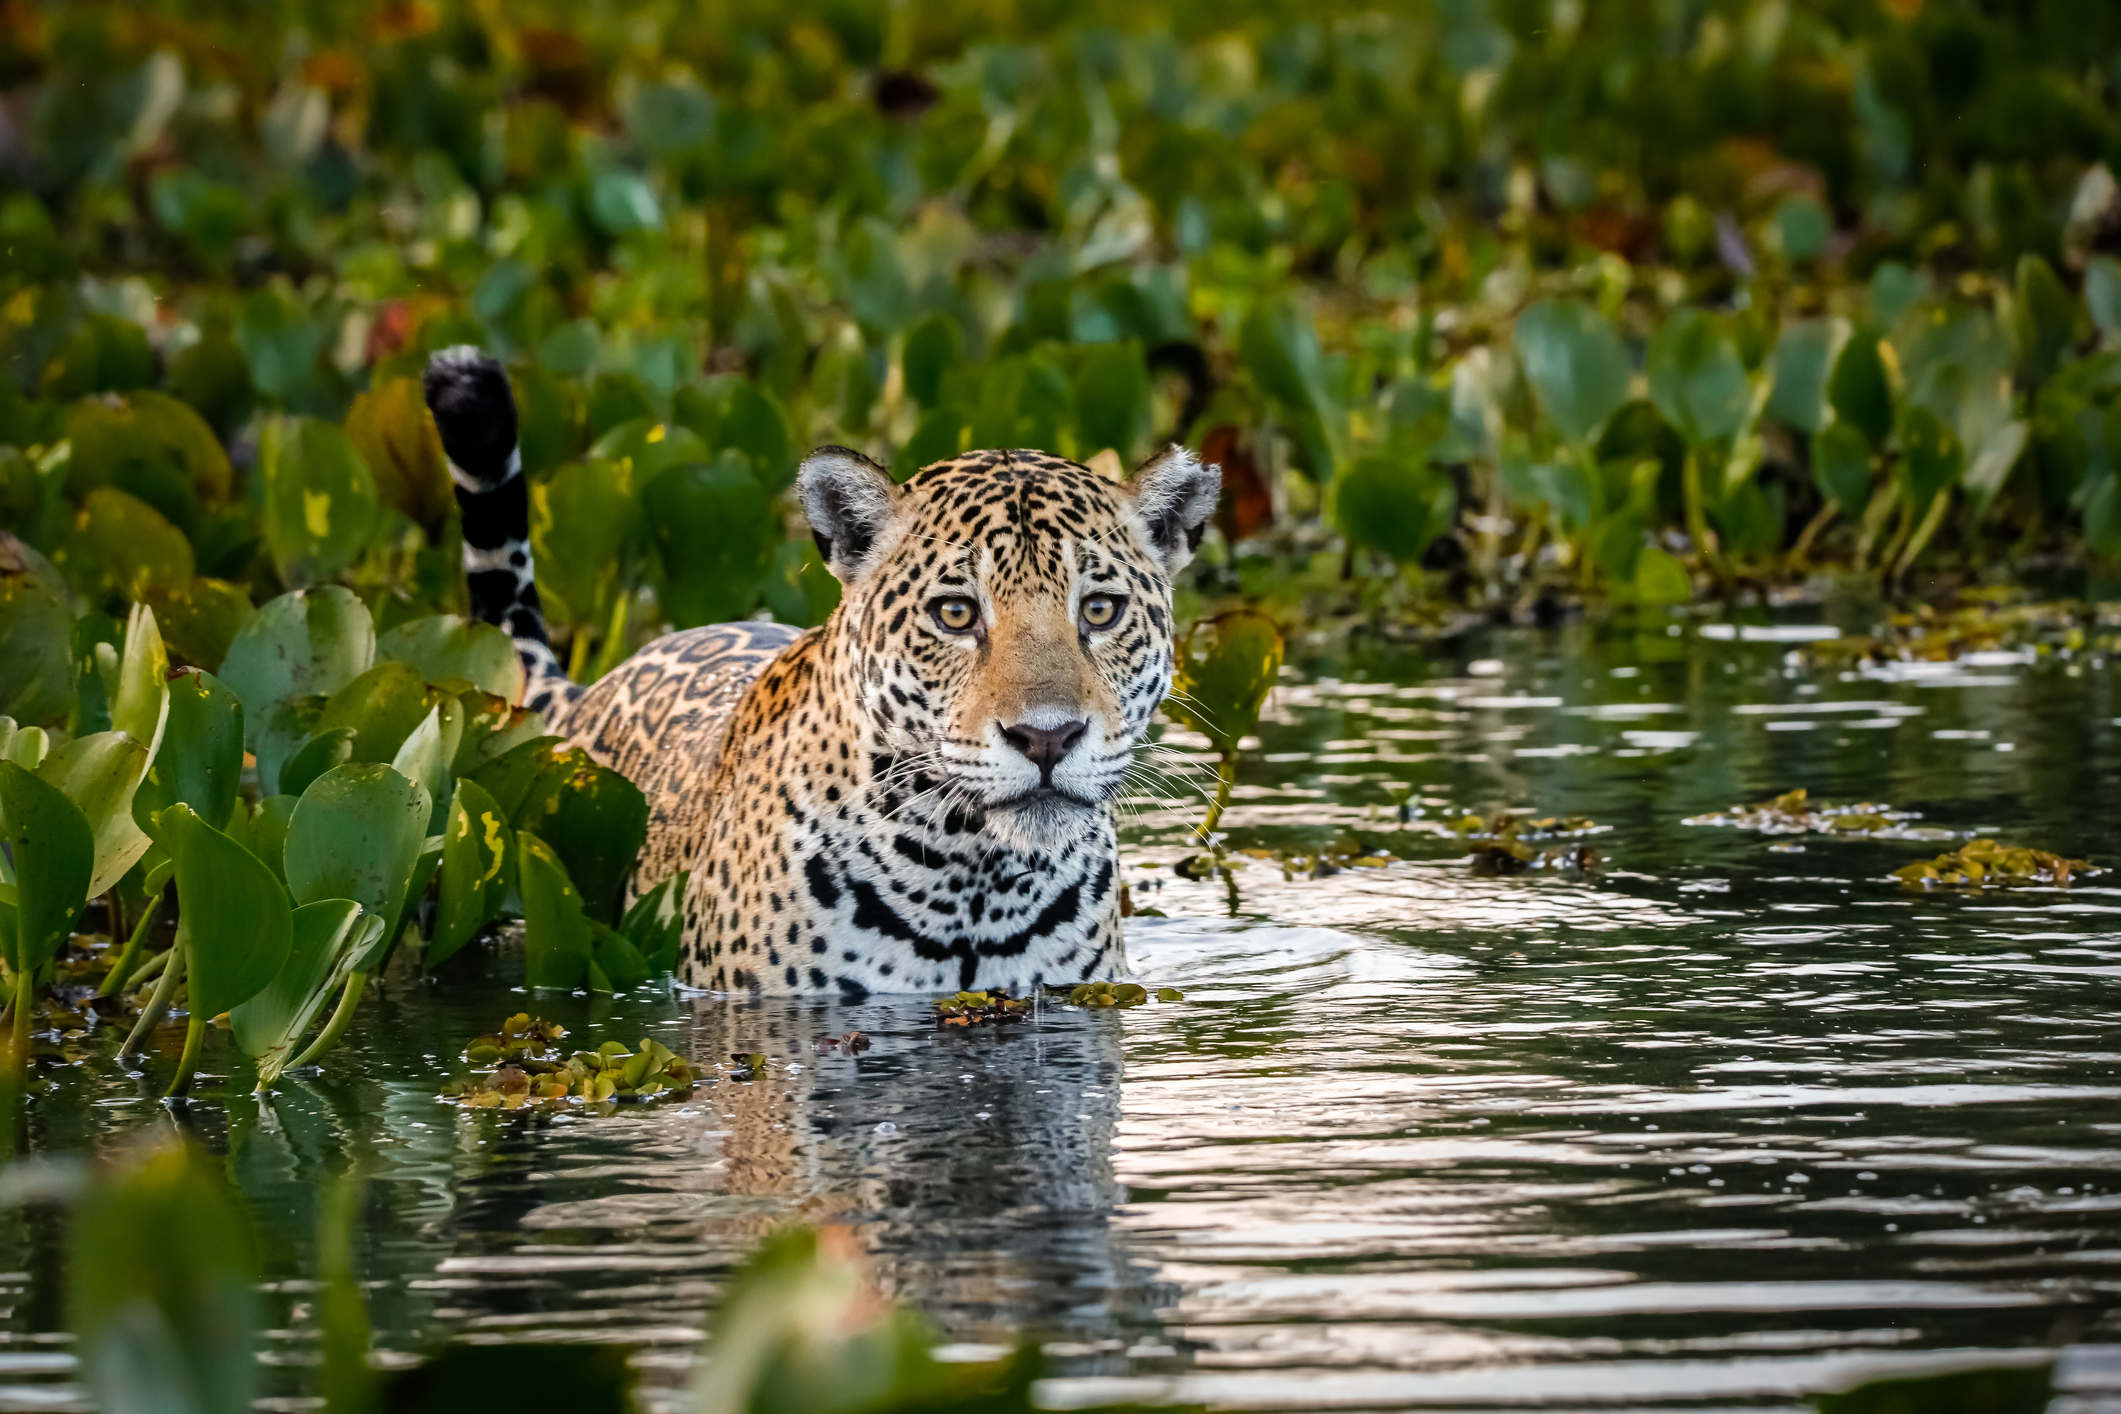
point(1714, 1126)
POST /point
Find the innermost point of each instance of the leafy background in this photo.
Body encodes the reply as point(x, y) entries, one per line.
point(1475, 302)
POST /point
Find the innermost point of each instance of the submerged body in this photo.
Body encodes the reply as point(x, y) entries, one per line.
point(920, 793)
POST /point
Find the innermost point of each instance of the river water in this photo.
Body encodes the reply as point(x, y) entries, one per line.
point(1727, 1119)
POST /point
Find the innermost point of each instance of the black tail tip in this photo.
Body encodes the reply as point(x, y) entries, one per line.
point(475, 412)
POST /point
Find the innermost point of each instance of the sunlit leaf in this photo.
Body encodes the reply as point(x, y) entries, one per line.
point(200, 761)
point(1395, 504)
point(297, 650)
point(1228, 668)
point(444, 646)
point(357, 834)
point(100, 774)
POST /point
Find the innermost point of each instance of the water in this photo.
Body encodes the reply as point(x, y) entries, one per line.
point(1714, 1126)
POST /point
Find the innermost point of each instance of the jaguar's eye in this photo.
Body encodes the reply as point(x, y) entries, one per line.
point(955, 614)
point(1102, 610)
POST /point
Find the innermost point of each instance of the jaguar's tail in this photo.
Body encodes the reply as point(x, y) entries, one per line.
point(476, 414)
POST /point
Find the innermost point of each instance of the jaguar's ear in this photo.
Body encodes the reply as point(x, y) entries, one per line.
point(850, 501)
point(1173, 497)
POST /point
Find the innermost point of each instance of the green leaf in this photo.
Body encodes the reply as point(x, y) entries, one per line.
point(2043, 318)
point(615, 962)
point(1393, 502)
point(54, 855)
point(1575, 363)
point(233, 918)
point(100, 774)
point(164, 1290)
point(297, 647)
point(377, 951)
point(595, 819)
point(556, 938)
point(320, 501)
point(1660, 579)
point(1111, 399)
point(271, 1024)
point(1801, 363)
point(36, 637)
point(655, 924)
point(511, 776)
point(755, 423)
point(581, 518)
point(1227, 670)
point(2102, 293)
point(1859, 390)
point(1991, 465)
point(122, 548)
point(200, 761)
point(714, 530)
point(264, 832)
point(478, 870)
point(1841, 465)
point(1697, 379)
point(201, 619)
point(357, 834)
point(382, 706)
point(1280, 351)
point(2102, 518)
point(426, 754)
point(333, 746)
point(644, 448)
point(799, 589)
point(1932, 454)
point(933, 347)
point(444, 646)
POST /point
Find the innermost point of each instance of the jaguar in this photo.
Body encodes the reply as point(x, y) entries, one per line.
point(918, 794)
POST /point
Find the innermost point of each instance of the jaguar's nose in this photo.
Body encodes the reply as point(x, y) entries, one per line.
point(1044, 747)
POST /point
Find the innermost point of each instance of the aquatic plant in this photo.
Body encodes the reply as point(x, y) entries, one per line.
point(1981, 862)
point(1226, 667)
point(1794, 812)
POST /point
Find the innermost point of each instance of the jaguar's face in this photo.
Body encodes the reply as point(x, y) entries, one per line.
point(1009, 614)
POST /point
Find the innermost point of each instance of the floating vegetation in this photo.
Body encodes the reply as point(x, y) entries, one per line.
point(1796, 813)
point(1504, 843)
point(979, 1008)
point(1981, 862)
point(521, 1037)
point(853, 1043)
point(1979, 621)
point(608, 1074)
point(1096, 996)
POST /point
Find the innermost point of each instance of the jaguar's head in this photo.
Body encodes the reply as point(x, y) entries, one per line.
point(1007, 622)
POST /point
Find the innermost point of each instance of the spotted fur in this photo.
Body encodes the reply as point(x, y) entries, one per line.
point(856, 802)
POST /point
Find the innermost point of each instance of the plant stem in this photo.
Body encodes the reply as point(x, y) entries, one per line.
point(194, 1033)
point(341, 1018)
point(150, 968)
point(1819, 522)
point(1933, 518)
point(114, 979)
point(157, 1006)
point(1697, 519)
point(612, 651)
point(1225, 778)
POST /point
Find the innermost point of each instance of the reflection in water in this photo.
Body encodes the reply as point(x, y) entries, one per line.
point(1712, 1126)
